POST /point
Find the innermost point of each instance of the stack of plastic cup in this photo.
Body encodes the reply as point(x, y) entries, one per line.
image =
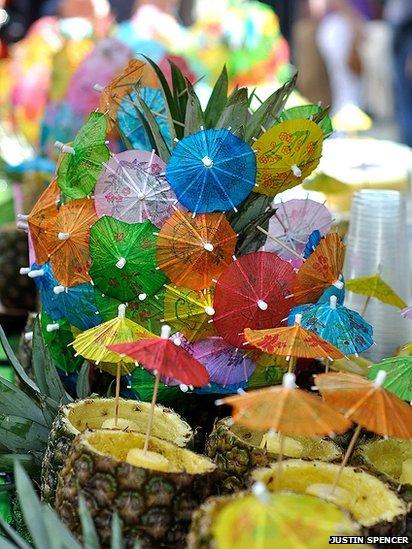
point(377, 242)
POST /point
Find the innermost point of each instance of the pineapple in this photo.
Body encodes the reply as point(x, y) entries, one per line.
point(16, 291)
point(201, 534)
point(155, 506)
point(389, 459)
point(37, 525)
point(369, 500)
point(95, 413)
point(237, 451)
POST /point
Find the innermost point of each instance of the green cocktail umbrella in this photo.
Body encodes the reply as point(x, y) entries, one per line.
point(309, 112)
point(124, 259)
point(58, 335)
point(398, 375)
point(83, 161)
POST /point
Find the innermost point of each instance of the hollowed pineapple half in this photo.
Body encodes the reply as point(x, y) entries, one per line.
point(154, 506)
point(212, 528)
point(76, 417)
point(391, 460)
point(370, 501)
point(237, 450)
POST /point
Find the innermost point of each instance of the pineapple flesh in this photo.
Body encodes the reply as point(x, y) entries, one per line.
point(154, 506)
point(369, 500)
point(237, 451)
point(76, 417)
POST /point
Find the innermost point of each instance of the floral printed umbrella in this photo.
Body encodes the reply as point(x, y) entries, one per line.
point(131, 189)
point(252, 292)
point(286, 154)
point(193, 250)
point(82, 162)
point(123, 258)
point(41, 219)
point(211, 170)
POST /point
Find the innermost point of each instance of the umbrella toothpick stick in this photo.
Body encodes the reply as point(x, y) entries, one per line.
point(292, 364)
point(346, 457)
point(165, 333)
point(117, 396)
point(279, 242)
point(365, 305)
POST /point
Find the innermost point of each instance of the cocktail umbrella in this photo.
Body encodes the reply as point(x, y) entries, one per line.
point(320, 270)
point(398, 378)
point(68, 242)
point(262, 519)
point(136, 72)
point(45, 281)
point(251, 293)
point(57, 336)
point(78, 305)
point(123, 258)
point(342, 327)
point(130, 112)
point(190, 311)
point(336, 289)
point(374, 287)
point(286, 154)
point(293, 223)
point(309, 112)
point(226, 365)
point(407, 312)
point(130, 190)
point(105, 61)
point(165, 358)
point(367, 404)
point(41, 219)
point(287, 410)
point(142, 384)
point(211, 170)
point(193, 250)
point(292, 342)
point(93, 345)
point(82, 162)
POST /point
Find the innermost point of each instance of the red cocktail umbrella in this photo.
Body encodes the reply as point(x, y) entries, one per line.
point(165, 358)
point(252, 293)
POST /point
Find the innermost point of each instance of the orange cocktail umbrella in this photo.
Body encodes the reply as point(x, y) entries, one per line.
point(192, 251)
point(41, 219)
point(320, 270)
point(68, 242)
point(368, 404)
point(286, 410)
point(135, 73)
point(292, 342)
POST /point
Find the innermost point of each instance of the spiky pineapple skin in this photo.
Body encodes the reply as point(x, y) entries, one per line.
point(63, 433)
point(234, 458)
point(155, 507)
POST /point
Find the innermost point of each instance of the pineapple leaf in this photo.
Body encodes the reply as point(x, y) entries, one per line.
point(253, 206)
point(45, 371)
point(31, 509)
point(173, 112)
point(27, 461)
point(217, 101)
point(22, 435)
point(57, 531)
point(116, 541)
point(235, 114)
point(27, 383)
point(153, 131)
point(265, 116)
point(179, 89)
point(194, 114)
point(83, 385)
point(90, 538)
point(251, 239)
point(13, 401)
point(13, 535)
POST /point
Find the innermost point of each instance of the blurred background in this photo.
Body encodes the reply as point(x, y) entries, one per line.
point(353, 56)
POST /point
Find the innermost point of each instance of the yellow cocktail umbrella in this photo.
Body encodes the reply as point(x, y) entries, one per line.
point(375, 286)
